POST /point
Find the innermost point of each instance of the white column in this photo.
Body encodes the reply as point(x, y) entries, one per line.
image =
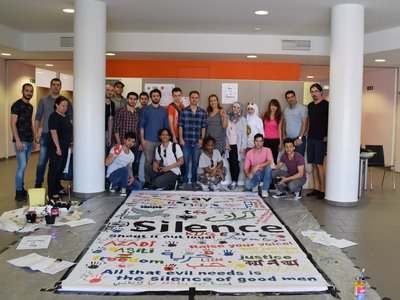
point(346, 75)
point(89, 109)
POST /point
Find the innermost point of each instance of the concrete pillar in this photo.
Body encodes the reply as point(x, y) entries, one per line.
point(345, 107)
point(89, 108)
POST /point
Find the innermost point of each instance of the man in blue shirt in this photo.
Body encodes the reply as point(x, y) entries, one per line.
point(153, 117)
point(296, 122)
point(192, 129)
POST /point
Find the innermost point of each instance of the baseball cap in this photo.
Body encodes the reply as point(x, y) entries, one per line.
point(119, 82)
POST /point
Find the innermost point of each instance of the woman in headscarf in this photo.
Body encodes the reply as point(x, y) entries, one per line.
point(236, 138)
point(254, 124)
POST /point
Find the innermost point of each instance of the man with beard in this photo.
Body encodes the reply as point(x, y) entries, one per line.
point(23, 135)
point(318, 112)
point(153, 117)
point(126, 120)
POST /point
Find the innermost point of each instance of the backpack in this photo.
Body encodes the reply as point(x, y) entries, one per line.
point(175, 106)
point(173, 151)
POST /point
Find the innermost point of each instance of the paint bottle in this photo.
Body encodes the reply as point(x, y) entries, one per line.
point(54, 234)
point(359, 286)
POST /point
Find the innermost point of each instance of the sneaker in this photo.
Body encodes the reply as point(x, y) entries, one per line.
point(313, 193)
point(280, 195)
point(233, 185)
point(111, 189)
point(187, 186)
point(298, 195)
point(24, 192)
point(196, 186)
point(216, 187)
point(321, 196)
point(19, 196)
point(122, 193)
point(264, 193)
point(204, 187)
point(146, 186)
point(255, 189)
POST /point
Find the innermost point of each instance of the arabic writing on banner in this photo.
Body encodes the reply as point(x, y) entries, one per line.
point(171, 241)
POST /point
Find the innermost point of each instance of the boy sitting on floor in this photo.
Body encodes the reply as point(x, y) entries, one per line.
point(119, 163)
point(165, 171)
point(211, 170)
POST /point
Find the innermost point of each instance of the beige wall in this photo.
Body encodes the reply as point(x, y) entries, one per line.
point(3, 109)
point(379, 111)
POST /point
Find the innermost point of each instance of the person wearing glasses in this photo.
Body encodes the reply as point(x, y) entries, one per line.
point(211, 169)
point(318, 113)
point(165, 171)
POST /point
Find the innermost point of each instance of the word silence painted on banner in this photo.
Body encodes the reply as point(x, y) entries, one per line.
point(172, 241)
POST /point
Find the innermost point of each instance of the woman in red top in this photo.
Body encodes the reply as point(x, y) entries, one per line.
point(272, 121)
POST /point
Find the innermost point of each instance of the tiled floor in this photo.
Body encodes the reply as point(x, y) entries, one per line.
point(373, 224)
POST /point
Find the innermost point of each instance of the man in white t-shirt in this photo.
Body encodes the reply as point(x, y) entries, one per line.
point(119, 163)
point(165, 171)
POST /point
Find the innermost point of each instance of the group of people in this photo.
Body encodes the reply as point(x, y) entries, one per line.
point(52, 129)
point(180, 144)
point(188, 144)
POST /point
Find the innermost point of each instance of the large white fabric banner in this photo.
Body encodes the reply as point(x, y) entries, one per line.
point(173, 241)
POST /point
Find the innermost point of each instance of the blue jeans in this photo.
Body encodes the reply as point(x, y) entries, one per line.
point(43, 158)
point(264, 176)
point(191, 152)
point(294, 185)
point(120, 178)
point(302, 148)
point(22, 162)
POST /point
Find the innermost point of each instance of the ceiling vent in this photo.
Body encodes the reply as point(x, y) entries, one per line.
point(66, 41)
point(304, 45)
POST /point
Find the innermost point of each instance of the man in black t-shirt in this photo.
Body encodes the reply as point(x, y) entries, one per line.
point(23, 136)
point(318, 112)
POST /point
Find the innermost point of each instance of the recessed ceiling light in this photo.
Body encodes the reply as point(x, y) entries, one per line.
point(261, 12)
point(110, 54)
point(69, 10)
point(5, 54)
point(326, 87)
point(310, 76)
point(49, 65)
point(256, 28)
point(380, 60)
point(251, 56)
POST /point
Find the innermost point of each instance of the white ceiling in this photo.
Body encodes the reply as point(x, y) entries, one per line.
point(303, 18)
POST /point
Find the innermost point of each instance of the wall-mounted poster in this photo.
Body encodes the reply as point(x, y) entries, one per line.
point(166, 91)
point(229, 93)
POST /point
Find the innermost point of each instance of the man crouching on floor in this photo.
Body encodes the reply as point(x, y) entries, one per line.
point(119, 166)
